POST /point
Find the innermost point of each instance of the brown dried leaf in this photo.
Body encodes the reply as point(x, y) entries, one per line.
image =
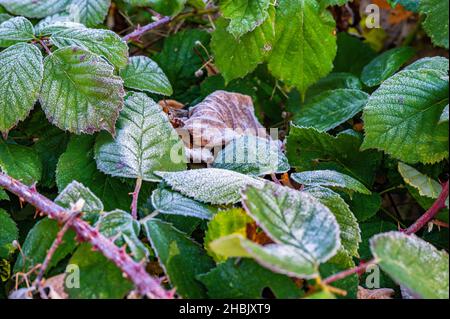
point(221, 117)
point(382, 293)
point(56, 287)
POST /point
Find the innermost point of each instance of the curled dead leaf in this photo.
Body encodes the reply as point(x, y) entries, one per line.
point(382, 293)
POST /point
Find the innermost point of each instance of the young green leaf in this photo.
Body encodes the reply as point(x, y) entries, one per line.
point(15, 30)
point(401, 117)
point(330, 179)
point(145, 142)
point(385, 65)
point(21, 72)
point(80, 92)
point(182, 258)
point(143, 74)
point(169, 202)
point(102, 42)
point(330, 109)
point(8, 234)
point(304, 37)
point(252, 155)
point(425, 185)
point(413, 263)
point(89, 12)
point(210, 185)
point(245, 15)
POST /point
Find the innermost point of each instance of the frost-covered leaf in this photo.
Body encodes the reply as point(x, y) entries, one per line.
point(235, 58)
point(78, 164)
point(99, 277)
point(169, 202)
point(80, 92)
point(436, 21)
point(56, 23)
point(144, 74)
point(308, 149)
point(330, 179)
point(102, 42)
point(76, 191)
point(224, 223)
point(304, 37)
point(246, 279)
point(348, 224)
point(182, 258)
point(245, 15)
point(401, 117)
point(444, 115)
point(15, 30)
point(425, 185)
point(437, 63)
point(145, 142)
point(385, 65)
point(253, 156)
point(124, 229)
point(210, 185)
point(89, 12)
point(21, 72)
point(331, 108)
point(413, 263)
point(20, 162)
point(38, 242)
point(8, 234)
point(4, 16)
point(34, 8)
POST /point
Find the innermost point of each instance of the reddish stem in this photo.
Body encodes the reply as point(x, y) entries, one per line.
point(145, 284)
point(343, 274)
point(137, 34)
point(438, 205)
point(134, 202)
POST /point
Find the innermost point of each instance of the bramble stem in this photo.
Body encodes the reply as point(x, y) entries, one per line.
point(140, 31)
point(145, 284)
point(134, 202)
point(348, 272)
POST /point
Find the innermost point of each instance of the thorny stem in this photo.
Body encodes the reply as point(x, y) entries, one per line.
point(438, 205)
point(134, 202)
point(145, 284)
point(140, 31)
point(46, 48)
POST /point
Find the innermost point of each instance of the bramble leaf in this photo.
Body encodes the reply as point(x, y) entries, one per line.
point(15, 30)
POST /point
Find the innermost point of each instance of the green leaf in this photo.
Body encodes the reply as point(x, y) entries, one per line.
point(253, 156)
point(334, 81)
point(165, 7)
point(4, 16)
point(169, 202)
point(224, 223)
point(437, 63)
point(78, 164)
point(308, 149)
point(385, 65)
point(21, 72)
point(348, 224)
point(20, 162)
point(413, 263)
point(210, 185)
point(364, 206)
point(38, 242)
point(89, 12)
point(124, 230)
point(56, 23)
point(33, 8)
point(436, 21)
point(8, 234)
point(102, 42)
point(330, 179)
point(235, 58)
point(411, 5)
point(80, 92)
point(182, 259)
point(304, 37)
point(401, 117)
point(15, 30)
point(246, 280)
point(146, 142)
point(444, 115)
point(99, 277)
point(425, 185)
point(331, 108)
point(143, 74)
point(245, 15)
point(3, 195)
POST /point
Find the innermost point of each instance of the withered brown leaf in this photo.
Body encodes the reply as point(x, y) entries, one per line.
point(382, 293)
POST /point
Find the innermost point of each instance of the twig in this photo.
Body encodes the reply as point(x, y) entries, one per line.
point(140, 31)
point(46, 48)
point(145, 284)
point(438, 205)
point(348, 272)
point(134, 202)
